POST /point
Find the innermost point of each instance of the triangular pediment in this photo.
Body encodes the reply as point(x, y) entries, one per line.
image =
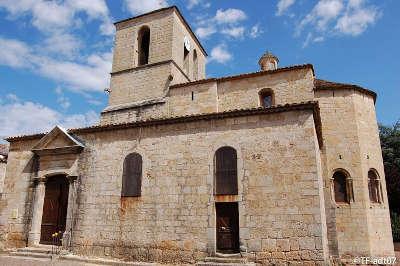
point(58, 140)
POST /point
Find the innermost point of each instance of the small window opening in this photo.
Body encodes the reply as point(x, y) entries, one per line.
point(144, 45)
point(192, 95)
point(185, 59)
point(266, 98)
point(195, 66)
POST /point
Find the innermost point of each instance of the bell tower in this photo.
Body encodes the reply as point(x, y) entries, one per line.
point(152, 52)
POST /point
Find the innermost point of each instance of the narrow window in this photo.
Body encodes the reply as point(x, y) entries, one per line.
point(225, 182)
point(132, 176)
point(195, 66)
point(340, 187)
point(143, 45)
point(266, 98)
point(186, 59)
point(374, 187)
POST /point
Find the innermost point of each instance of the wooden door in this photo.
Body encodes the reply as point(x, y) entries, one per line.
point(227, 227)
point(54, 209)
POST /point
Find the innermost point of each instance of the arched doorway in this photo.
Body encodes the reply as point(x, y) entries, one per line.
point(54, 209)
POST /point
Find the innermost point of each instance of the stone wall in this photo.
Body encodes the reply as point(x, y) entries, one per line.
point(174, 219)
point(126, 43)
point(350, 133)
point(179, 32)
point(288, 87)
point(3, 166)
point(16, 201)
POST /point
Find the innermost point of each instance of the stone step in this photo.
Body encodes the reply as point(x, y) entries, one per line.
point(31, 254)
point(225, 259)
point(45, 250)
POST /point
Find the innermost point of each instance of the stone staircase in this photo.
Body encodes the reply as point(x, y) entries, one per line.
point(226, 260)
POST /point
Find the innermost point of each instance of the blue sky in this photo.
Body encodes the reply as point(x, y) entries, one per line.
point(55, 56)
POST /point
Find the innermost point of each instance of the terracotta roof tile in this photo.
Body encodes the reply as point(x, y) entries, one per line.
point(311, 105)
point(245, 75)
point(329, 85)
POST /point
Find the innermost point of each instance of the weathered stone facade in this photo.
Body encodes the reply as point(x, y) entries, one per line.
point(287, 155)
point(3, 164)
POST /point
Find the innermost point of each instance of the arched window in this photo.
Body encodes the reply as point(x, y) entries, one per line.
point(225, 182)
point(132, 176)
point(374, 187)
point(266, 98)
point(342, 187)
point(143, 45)
point(195, 66)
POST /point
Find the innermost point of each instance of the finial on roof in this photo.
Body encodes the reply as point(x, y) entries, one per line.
point(268, 61)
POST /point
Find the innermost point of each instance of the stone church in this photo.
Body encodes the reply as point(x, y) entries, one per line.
point(274, 166)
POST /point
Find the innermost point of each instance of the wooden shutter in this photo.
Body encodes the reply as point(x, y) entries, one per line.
point(132, 176)
point(340, 188)
point(225, 172)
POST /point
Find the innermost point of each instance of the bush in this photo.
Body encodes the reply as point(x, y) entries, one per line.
point(395, 218)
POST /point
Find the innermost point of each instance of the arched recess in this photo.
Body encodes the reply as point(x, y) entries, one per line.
point(143, 45)
point(342, 187)
point(374, 187)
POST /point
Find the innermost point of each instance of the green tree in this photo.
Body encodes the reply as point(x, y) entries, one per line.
point(390, 142)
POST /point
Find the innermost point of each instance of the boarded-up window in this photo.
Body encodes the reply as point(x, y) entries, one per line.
point(374, 187)
point(132, 176)
point(225, 182)
point(340, 187)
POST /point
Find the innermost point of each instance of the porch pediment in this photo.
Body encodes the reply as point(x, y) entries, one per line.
point(58, 141)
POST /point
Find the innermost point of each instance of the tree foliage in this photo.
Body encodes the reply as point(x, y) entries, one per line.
point(390, 142)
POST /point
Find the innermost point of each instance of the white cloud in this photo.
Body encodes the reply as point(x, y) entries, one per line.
point(323, 12)
point(91, 75)
point(64, 44)
point(28, 118)
point(357, 18)
point(137, 7)
point(220, 54)
point(229, 16)
point(235, 32)
point(192, 3)
point(225, 21)
point(56, 16)
point(13, 53)
point(61, 99)
point(337, 17)
point(255, 31)
point(284, 5)
point(204, 32)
